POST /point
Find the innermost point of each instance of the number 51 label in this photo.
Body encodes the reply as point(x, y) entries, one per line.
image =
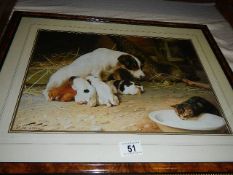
point(130, 148)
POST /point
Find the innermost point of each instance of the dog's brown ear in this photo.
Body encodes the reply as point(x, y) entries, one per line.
point(129, 62)
point(124, 59)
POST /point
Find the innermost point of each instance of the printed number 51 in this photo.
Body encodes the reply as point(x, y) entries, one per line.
point(131, 148)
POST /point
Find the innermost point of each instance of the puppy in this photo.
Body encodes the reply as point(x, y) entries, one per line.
point(64, 93)
point(105, 95)
point(74, 89)
point(94, 64)
point(126, 87)
point(86, 93)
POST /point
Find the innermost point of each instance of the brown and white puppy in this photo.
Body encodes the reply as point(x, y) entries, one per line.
point(64, 93)
point(94, 64)
point(75, 89)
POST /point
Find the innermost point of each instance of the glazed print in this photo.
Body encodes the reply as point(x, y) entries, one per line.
point(91, 82)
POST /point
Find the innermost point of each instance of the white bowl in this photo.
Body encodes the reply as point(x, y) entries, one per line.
point(169, 121)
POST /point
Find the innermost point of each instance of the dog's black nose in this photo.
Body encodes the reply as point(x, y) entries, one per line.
point(142, 77)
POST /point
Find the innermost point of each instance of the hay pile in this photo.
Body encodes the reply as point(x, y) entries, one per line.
point(39, 71)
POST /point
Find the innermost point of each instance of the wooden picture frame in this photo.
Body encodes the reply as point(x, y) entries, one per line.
point(219, 60)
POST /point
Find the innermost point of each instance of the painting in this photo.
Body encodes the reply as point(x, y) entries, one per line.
point(174, 94)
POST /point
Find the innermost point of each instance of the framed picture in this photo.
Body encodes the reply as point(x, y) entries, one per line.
point(162, 91)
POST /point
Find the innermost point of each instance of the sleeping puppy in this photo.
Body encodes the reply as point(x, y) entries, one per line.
point(74, 89)
point(64, 93)
point(126, 87)
point(86, 93)
point(94, 64)
point(105, 94)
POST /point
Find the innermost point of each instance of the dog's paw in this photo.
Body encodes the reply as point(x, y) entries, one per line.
point(109, 102)
point(106, 96)
point(46, 95)
point(115, 101)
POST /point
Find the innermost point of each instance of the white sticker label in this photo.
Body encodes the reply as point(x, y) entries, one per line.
point(130, 148)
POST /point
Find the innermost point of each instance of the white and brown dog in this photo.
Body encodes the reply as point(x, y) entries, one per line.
point(98, 63)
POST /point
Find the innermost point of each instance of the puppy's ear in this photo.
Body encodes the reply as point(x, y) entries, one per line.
point(72, 84)
point(72, 78)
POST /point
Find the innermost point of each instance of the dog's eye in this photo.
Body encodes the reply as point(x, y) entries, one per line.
point(142, 65)
point(128, 83)
point(86, 90)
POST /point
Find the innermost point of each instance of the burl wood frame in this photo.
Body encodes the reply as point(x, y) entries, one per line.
point(110, 168)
